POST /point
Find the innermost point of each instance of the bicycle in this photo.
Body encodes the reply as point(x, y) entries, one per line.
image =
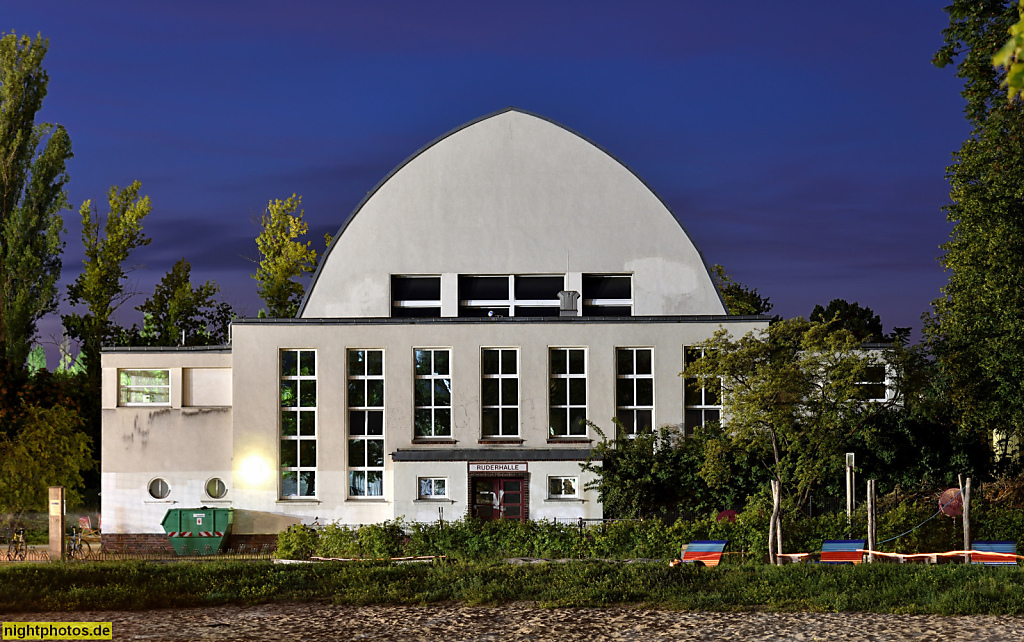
point(78, 548)
point(17, 548)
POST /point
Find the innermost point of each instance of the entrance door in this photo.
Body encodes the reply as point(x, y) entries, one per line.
point(495, 498)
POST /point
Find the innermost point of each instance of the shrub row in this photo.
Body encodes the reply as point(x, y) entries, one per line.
point(881, 588)
point(472, 539)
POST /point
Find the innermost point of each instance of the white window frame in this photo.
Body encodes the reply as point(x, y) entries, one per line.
point(304, 415)
point(215, 480)
point(501, 377)
point(567, 408)
point(884, 383)
point(634, 378)
point(416, 303)
point(124, 390)
point(608, 303)
point(701, 403)
point(432, 408)
point(432, 495)
point(575, 484)
point(365, 470)
point(510, 301)
point(156, 496)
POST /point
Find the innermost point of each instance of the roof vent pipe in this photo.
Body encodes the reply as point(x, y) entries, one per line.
point(567, 303)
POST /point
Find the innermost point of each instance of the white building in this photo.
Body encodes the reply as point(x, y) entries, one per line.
point(506, 282)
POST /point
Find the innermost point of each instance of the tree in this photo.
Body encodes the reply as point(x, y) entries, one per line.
point(861, 321)
point(283, 259)
point(101, 286)
point(178, 310)
point(793, 397)
point(32, 178)
point(976, 331)
point(738, 298)
point(49, 449)
point(1011, 57)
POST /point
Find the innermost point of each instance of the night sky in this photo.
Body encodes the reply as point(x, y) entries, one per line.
point(803, 145)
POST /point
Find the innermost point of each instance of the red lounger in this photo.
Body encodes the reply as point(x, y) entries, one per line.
point(842, 551)
point(704, 552)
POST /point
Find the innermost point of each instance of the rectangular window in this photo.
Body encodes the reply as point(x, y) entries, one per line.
point(702, 405)
point(568, 393)
point(563, 487)
point(415, 296)
point(634, 389)
point(298, 423)
point(433, 488)
point(499, 394)
point(365, 423)
point(524, 295)
point(607, 295)
point(144, 387)
point(432, 394)
point(873, 386)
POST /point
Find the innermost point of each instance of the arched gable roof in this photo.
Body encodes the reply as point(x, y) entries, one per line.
point(511, 193)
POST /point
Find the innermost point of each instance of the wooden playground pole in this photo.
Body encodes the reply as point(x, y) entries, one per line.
point(967, 521)
point(774, 538)
point(872, 536)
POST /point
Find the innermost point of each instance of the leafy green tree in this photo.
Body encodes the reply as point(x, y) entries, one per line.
point(1011, 57)
point(793, 397)
point(861, 321)
point(976, 330)
point(177, 310)
point(101, 286)
point(48, 449)
point(739, 299)
point(32, 178)
point(283, 258)
point(660, 473)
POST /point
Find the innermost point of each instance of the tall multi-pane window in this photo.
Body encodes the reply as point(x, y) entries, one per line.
point(567, 414)
point(634, 389)
point(298, 423)
point(499, 392)
point(365, 423)
point(703, 404)
point(432, 394)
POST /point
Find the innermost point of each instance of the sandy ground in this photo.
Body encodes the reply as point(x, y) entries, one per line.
point(519, 622)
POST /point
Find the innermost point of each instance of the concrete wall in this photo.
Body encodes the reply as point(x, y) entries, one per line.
point(512, 194)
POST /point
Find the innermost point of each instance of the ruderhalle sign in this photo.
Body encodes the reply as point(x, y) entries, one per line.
point(498, 467)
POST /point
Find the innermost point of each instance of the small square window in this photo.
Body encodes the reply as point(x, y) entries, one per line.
point(563, 487)
point(433, 488)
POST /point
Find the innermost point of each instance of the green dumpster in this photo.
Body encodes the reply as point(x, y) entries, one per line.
point(198, 531)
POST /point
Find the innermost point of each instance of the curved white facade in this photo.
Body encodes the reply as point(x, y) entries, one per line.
point(512, 193)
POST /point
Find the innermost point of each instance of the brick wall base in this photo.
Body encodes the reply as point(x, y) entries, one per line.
point(158, 542)
point(241, 543)
point(136, 543)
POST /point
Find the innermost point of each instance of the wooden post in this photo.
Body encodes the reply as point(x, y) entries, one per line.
point(56, 523)
point(967, 521)
point(870, 519)
point(849, 489)
point(774, 534)
point(778, 524)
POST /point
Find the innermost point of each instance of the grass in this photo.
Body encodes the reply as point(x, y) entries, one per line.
point(880, 588)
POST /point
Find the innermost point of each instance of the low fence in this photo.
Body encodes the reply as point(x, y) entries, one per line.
point(244, 553)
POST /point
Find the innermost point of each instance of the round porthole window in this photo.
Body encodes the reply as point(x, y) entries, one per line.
point(158, 489)
point(216, 489)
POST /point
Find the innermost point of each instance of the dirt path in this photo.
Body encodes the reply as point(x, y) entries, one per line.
point(451, 623)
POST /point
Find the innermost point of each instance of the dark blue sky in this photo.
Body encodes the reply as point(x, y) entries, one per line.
point(802, 144)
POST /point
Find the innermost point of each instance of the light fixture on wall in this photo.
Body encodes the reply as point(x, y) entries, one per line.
point(254, 470)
